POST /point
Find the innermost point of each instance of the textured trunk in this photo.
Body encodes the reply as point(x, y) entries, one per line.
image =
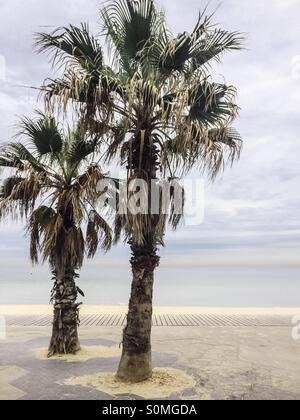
point(64, 338)
point(136, 360)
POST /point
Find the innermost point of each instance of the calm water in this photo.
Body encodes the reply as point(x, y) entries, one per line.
point(246, 286)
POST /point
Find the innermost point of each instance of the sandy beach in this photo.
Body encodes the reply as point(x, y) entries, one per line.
point(24, 310)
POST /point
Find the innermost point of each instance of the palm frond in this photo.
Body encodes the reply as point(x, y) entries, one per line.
point(98, 233)
point(212, 103)
point(79, 146)
point(43, 134)
point(19, 194)
point(189, 51)
point(56, 200)
point(89, 93)
point(38, 223)
point(75, 42)
point(130, 25)
point(8, 159)
point(8, 186)
point(230, 140)
point(17, 155)
point(208, 150)
point(213, 45)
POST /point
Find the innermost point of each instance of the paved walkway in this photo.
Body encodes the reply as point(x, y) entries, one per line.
point(163, 320)
point(226, 362)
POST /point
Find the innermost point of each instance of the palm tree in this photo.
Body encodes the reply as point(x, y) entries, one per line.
point(53, 185)
point(166, 114)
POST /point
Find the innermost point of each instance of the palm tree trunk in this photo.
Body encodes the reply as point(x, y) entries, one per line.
point(136, 360)
point(64, 338)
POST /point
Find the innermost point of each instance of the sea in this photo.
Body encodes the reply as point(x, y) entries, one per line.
point(226, 286)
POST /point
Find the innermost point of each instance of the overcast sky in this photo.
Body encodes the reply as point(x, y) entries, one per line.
point(252, 210)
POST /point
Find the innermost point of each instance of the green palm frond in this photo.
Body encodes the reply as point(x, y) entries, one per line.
point(17, 155)
point(43, 134)
point(75, 42)
point(130, 25)
point(189, 51)
point(213, 45)
point(212, 103)
point(57, 198)
point(175, 54)
point(155, 109)
point(79, 146)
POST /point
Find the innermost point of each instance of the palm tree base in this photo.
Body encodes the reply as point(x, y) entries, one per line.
point(135, 368)
point(54, 350)
point(64, 338)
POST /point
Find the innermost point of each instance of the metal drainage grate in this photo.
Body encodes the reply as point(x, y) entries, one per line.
point(165, 320)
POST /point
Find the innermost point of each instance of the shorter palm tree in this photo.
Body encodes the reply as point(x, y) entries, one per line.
point(53, 185)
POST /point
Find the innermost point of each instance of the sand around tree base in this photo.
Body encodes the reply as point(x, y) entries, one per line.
point(86, 353)
point(164, 382)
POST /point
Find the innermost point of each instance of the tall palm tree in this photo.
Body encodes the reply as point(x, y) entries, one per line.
point(166, 113)
point(53, 186)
